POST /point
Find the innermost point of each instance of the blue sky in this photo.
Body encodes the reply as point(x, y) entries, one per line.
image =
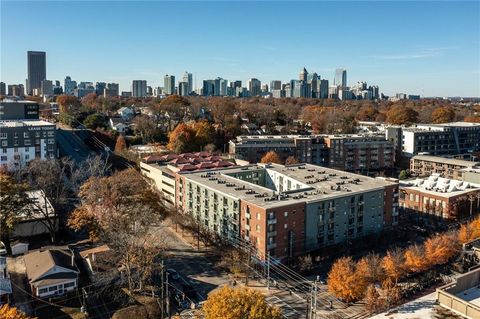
point(429, 48)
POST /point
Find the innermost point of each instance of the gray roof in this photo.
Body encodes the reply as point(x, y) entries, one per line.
point(445, 160)
point(39, 262)
point(316, 183)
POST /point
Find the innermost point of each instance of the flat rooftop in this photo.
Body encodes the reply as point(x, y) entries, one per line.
point(316, 184)
point(471, 295)
point(20, 123)
point(451, 161)
point(439, 186)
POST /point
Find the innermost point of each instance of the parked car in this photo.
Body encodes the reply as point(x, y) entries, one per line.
point(3, 249)
point(173, 274)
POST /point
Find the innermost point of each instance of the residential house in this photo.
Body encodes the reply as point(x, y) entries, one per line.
point(34, 217)
point(127, 113)
point(51, 272)
point(118, 124)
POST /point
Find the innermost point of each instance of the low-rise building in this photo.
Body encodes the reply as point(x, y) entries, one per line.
point(350, 152)
point(162, 170)
point(441, 139)
point(288, 210)
point(441, 197)
point(426, 165)
point(463, 295)
point(5, 283)
point(51, 272)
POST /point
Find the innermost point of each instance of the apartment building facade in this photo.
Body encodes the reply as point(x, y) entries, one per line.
point(426, 165)
point(441, 139)
point(442, 197)
point(345, 152)
point(287, 210)
point(23, 136)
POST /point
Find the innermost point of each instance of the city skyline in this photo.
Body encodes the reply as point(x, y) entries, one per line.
point(400, 59)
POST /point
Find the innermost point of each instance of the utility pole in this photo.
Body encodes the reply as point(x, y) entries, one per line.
point(268, 270)
point(248, 268)
point(167, 296)
point(161, 288)
point(314, 306)
point(198, 235)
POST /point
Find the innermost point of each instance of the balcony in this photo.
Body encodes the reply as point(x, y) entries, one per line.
point(272, 233)
point(271, 221)
point(271, 246)
point(247, 215)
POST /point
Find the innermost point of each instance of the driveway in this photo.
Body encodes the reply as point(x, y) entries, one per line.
point(17, 272)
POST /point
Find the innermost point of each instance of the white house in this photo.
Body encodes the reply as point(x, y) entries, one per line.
point(51, 272)
point(126, 112)
point(118, 124)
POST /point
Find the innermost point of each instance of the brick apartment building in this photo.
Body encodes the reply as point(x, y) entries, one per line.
point(426, 165)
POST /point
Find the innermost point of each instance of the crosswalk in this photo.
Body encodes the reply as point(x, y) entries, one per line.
point(287, 311)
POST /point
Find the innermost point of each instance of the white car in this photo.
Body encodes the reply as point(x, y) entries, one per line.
point(3, 249)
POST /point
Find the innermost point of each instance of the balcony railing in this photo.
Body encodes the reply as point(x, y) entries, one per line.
point(271, 221)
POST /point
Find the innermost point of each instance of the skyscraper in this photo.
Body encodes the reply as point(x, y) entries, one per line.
point(46, 88)
point(275, 85)
point(37, 70)
point(255, 87)
point(69, 85)
point(3, 89)
point(303, 75)
point(187, 77)
point(169, 84)
point(323, 89)
point(340, 78)
point(223, 87)
point(183, 88)
point(139, 88)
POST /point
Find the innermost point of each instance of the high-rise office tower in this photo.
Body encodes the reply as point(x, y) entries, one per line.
point(187, 77)
point(169, 84)
point(275, 85)
point(139, 88)
point(16, 90)
point(223, 87)
point(46, 87)
point(3, 89)
point(112, 89)
point(183, 88)
point(264, 88)
point(69, 85)
point(303, 75)
point(323, 89)
point(313, 81)
point(100, 88)
point(37, 70)
point(255, 87)
point(340, 78)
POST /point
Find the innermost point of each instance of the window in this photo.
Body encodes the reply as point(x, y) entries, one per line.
point(3, 135)
point(53, 288)
point(26, 135)
point(4, 143)
point(27, 157)
point(69, 284)
point(42, 291)
point(3, 158)
point(286, 214)
point(285, 226)
point(4, 150)
point(258, 216)
point(258, 228)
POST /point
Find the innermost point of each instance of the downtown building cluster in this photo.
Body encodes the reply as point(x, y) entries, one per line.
point(308, 85)
point(284, 211)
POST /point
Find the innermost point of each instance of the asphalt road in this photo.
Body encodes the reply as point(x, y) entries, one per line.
point(72, 146)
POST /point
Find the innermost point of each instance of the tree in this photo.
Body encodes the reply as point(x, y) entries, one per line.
point(343, 280)
point(415, 259)
point(373, 303)
point(271, 157)
point(370, 269)
point(204, 133)
point(7, 312)
point(181, 139)
point(120, 145)
point(50, 178)
point(391, 293)
point(439, 249)
point(68, 106)
point(305, 263)
point(401, 115)
point(393, 264)
point(119, 210)
point(291, 160)
point(13, 201)
point(469, 232)
point(146, 127)
point(403, 174)
point(93, 121)
point(443, 114)
point(230, 303)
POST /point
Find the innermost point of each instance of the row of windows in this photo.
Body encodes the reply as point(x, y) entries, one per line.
point(4, 135)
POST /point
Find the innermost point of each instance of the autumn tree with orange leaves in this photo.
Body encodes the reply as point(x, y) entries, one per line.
point(344, 281)
point(271, 157)
point(443, 114)
point(441, 248)
point(233, 303)
point(400, 115)
point(191, 137)
point(415, 259)
point(469, 231)
point(7, 312)
point(393, 264)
